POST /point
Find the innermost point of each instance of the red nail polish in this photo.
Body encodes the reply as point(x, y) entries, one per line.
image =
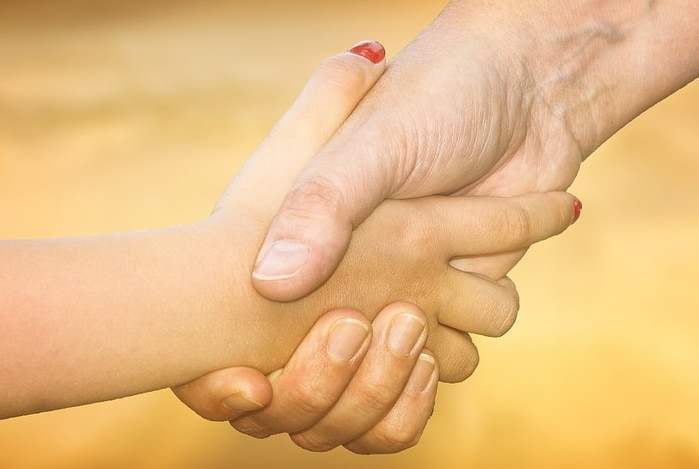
point(577, 208)
point(370, 50)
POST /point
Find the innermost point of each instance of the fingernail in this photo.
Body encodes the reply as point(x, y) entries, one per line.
point(346, 339)
point(239, 402)
point(405, 332)
point(577, 208)
point(421, 377)
point(370, 50)
point(282, 260)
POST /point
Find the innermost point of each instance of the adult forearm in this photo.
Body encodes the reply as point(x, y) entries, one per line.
point(602, 63)
point(597, 64)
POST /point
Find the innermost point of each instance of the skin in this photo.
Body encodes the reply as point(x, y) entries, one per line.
point(98, 318)
point(394, 425)
point(505, 98)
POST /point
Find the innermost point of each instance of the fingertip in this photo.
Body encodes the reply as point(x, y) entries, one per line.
point(453, 375)
point(403, 307)
point(346, 335)
point(239, 403)
point(352, 72)
point(340, 314)
point(570, 204)
point(405, 327)
point(424, 375)
point(577, 209)
point(304, 246)
point(370, 50)
point(312, 230)
point(243, 390)
point(553, 213)
point(281, 276)
point(280, 260)
point(459, 360)
point(226, 394)
point(348, 338)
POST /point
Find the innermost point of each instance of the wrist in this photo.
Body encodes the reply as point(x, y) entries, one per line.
point(598, 64)
point(594, 64)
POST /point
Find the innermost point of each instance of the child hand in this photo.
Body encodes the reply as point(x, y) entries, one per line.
point(402, 252)
point(468, 231)
point(317, 396)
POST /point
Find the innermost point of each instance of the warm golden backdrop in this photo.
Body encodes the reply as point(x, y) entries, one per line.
point(132, 114)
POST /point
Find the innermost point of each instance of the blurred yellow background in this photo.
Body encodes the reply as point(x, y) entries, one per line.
point(127, 115)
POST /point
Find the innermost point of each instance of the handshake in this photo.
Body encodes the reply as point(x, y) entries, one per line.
point(342, 270)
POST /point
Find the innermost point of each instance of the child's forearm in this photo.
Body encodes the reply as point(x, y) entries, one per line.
point(91, 319)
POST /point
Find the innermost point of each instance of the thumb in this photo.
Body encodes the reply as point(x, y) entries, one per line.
point(226, 394)
point(313, 228)
point(333, 194)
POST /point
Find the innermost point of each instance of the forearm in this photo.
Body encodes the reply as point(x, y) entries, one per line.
point(91, 319)
point(597, 64)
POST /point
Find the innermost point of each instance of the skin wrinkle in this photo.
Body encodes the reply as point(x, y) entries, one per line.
point(410, 144)
point(571, 91)
point(517, 136)
point(464, 141)
point(423, 145)
point(521, 105)
point(419, 146)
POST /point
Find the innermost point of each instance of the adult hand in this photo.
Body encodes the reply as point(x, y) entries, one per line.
point(324, 397)
point(454, 113)
point(375, 401)
point(495, 98)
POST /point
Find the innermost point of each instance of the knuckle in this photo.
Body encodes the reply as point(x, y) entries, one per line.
point(418, 230)
point(385, 439)
point(314, 198)
point(518, 224)
point(310, 398)
point(420, 235)
point(251, 427)
point(312, 442)
point(378, 395)
point(395, 438)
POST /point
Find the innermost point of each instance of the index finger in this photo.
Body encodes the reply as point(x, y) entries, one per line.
point(488, 225)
